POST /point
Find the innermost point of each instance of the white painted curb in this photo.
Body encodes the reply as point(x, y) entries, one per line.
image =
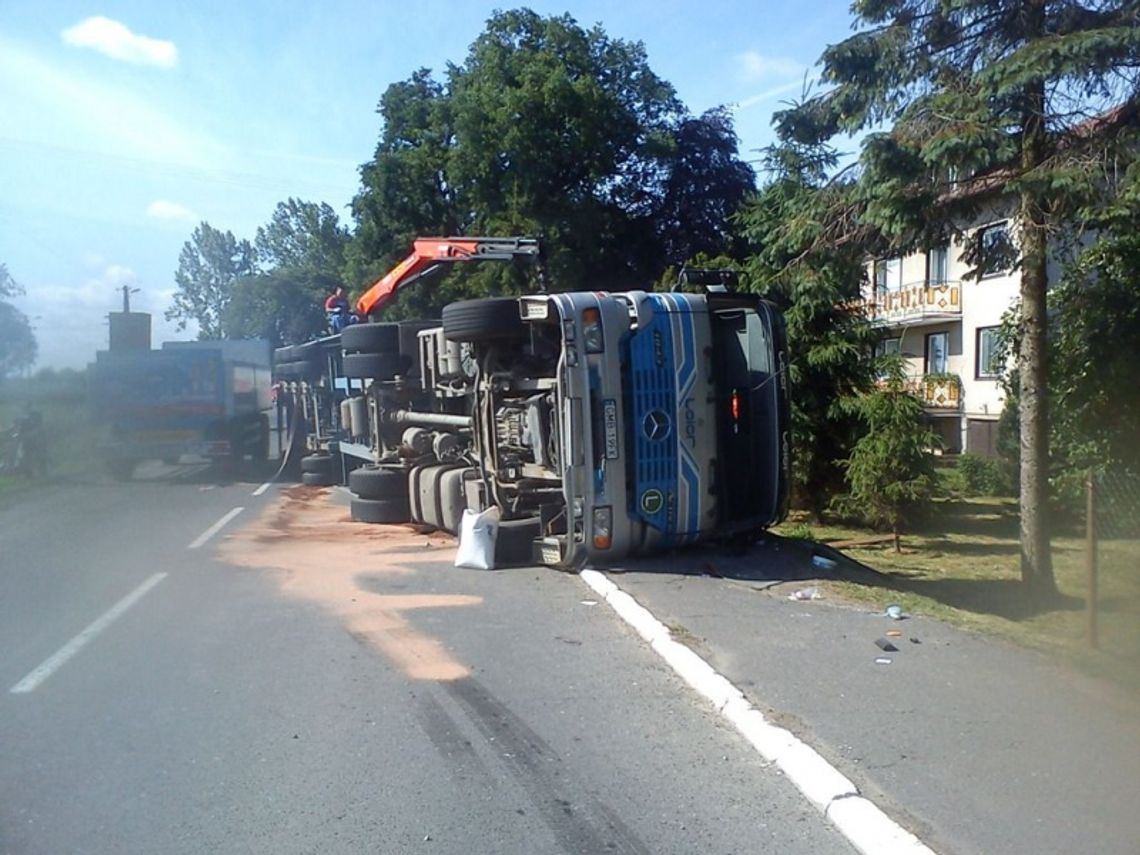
point(868, 829)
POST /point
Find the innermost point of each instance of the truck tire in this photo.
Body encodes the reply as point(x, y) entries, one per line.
point(370, 482)
point(373, 366)
point(483, 320)
point(380, 510)
point(317, 479)
point(321, 464)
point(371, 338)
point(514, 544)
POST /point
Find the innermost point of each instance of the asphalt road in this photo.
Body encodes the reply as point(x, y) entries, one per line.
point(299, 683)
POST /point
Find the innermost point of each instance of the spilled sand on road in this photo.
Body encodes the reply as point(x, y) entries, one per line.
point(318, 553)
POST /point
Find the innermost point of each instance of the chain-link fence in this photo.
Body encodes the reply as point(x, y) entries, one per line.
point(1113, 554)
point(1117, 504)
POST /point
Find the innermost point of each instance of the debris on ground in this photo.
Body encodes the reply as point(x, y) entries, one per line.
point(806, 594)
point(885, 645)
point(895, 612)
point(883, 660)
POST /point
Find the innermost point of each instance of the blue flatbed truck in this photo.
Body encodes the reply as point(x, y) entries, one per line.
point(208, 399)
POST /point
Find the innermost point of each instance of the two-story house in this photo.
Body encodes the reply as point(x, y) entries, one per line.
point(945, 327)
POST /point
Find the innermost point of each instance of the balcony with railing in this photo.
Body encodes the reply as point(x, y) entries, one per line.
point(937, 391)
point(916, 303)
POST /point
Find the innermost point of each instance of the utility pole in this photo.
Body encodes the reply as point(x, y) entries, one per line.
point(127, 291)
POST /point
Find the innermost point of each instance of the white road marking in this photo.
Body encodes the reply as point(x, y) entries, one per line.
point(858, 819)
point(214, 529)
point(60, 657)
point(263, 488)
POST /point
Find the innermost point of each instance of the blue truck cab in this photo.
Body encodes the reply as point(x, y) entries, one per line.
point(663, 422)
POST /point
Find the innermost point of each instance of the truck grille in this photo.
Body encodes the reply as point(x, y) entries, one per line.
point(653, 426)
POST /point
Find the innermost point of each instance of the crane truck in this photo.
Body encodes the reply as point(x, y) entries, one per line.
point(600, 424)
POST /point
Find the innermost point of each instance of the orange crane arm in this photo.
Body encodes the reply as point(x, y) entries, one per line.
point(428, 253)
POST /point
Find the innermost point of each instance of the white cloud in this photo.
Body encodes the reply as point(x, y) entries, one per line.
point(753, 67)
point(116, 40)
point(162, 209)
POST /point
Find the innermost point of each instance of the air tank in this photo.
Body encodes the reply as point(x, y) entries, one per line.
point(358, 416)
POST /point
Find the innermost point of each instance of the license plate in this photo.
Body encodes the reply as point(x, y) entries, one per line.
point(609, 420)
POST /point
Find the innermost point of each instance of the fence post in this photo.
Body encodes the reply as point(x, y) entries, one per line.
point(1090, 557)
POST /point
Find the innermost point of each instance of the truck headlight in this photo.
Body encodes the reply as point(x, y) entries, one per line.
point(592, 336)
point(603, 527)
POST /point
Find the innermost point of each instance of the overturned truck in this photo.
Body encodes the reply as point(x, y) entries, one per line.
point(600, 424)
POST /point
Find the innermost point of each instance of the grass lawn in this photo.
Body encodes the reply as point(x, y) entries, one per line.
point(963, 568)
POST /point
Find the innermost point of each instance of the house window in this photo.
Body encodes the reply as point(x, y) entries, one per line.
point(937, 353)
point(938, 265)
point(996, 250)
point(888, 275)
point(986, 364)
point(889, 346)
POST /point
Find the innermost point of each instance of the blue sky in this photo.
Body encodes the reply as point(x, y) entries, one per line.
point(127, 123)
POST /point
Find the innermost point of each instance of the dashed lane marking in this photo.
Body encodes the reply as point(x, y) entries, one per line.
point(58, 659)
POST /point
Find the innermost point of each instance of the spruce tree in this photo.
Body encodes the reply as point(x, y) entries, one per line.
point(1034, 99)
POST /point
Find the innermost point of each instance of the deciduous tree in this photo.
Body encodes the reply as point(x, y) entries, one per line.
point(283, 306)
point(548, 129)
point(18, 346)
point(302, 236)
point(209, 265)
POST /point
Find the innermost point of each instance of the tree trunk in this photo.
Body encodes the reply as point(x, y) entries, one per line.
point(1036, 558)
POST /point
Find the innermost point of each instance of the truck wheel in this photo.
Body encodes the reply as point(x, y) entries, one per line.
point(370, 482)
point(371, 338)
point(321, 464)
point(122, 470)
point(483, 320)
point(380, 510)
point(317, 479)
point(373, 366)
point(514, 544)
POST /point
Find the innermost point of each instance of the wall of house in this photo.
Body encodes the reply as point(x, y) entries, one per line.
point(983, 303)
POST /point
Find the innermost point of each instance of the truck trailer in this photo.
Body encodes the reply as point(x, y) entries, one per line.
point(599, 424)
